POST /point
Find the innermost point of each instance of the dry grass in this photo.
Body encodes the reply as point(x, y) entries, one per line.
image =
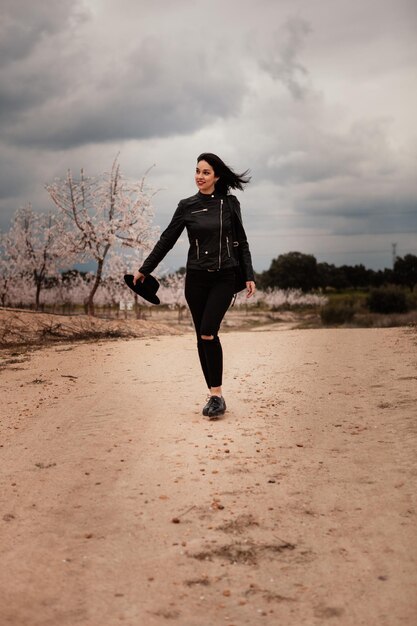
point(20, 328)
point(24, 330)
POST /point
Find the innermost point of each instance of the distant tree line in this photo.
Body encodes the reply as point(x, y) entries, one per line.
point(295, 270)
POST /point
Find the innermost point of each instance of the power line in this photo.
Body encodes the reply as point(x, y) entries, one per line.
point(252, 235)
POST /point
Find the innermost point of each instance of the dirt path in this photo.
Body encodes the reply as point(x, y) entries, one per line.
point(121, 504)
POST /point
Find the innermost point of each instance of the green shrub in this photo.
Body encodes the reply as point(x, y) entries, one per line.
point(388, 299)
point(337, 313)
point(412, 300)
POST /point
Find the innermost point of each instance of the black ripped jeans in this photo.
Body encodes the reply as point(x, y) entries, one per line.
point(209, 295)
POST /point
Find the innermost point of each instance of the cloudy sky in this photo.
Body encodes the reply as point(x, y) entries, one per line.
point(316, 97)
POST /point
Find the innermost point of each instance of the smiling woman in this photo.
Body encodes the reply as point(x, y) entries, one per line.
point(205, 177)
point(215, 230)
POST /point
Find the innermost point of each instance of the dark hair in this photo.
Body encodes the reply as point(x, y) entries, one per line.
point(228, 179)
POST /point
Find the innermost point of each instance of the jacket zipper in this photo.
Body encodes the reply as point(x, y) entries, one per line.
point(199, 211)
point(221, 232)
point(198, 248)
point(228, 249)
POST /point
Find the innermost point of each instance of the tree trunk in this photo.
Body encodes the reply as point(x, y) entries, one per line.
point(90, 300)
point(137, 309)
point(38, 293)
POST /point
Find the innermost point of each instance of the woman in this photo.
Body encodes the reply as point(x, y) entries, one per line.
point(215, 231)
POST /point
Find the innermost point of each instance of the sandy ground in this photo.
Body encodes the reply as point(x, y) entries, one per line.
point(122, 504)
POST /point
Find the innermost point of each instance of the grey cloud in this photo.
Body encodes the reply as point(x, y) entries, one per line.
point(24, 93)
point(281, 62)
point(23, 24)
point(13, 179)
point(320, 154)
point(39, 59)
point(156, 91)
point(304, 106)
point(374, 207)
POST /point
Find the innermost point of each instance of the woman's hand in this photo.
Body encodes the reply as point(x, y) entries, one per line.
point(251, 288)
point(138, 276)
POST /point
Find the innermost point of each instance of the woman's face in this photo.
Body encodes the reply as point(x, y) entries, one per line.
point(205, 177)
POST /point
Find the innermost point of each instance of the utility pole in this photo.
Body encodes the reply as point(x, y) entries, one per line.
point(394, 254)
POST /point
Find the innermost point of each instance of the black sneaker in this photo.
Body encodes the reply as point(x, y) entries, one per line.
point(217, 407)
point(207, 406)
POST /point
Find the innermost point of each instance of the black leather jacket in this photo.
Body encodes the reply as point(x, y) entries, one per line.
point(215, 232)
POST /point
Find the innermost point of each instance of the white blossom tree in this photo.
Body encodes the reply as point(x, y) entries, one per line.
point(171, 292)
point(278, 298)
point(275, 299)
point(69, 289)
point(33, 248)
point(6, 273)
point(101, 213)
point(114, 287)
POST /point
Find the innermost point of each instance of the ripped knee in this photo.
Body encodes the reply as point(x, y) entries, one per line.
point(207, 337)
